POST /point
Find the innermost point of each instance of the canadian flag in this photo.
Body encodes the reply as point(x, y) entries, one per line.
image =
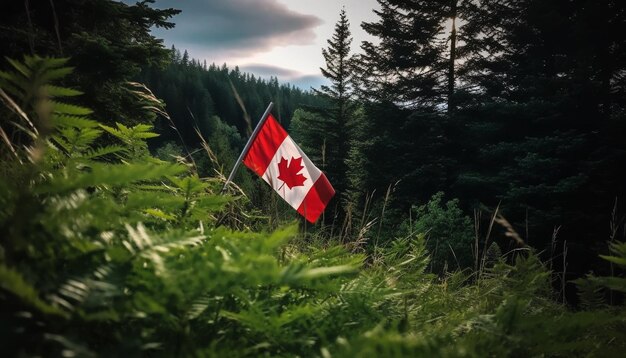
point(276, 158)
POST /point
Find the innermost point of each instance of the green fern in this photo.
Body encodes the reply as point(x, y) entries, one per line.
point(13, 282)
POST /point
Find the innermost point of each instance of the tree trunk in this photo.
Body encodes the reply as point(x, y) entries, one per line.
point(451, 76)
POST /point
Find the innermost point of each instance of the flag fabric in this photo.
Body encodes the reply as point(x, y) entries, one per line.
point(276, 158)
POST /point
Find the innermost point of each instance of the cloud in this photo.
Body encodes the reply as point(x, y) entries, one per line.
point(268, 70)
point(285, 75)
point(237, 27)
point(306, 82)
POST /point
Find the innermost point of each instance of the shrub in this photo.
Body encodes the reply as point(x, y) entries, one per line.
point(448, 233)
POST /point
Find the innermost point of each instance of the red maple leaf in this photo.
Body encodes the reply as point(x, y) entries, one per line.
point(288, 172)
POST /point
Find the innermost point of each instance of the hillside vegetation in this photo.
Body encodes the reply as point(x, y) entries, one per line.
point(109, 251)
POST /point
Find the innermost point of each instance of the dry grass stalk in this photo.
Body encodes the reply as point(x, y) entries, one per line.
point(510, 232)
point(155, 105)
point(246, 116)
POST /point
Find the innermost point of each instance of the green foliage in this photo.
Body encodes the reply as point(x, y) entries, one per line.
point(324, 130)
point(211, 110)
point(310, 138)
point(591, 289)
point(14, 283)
point(493, 102)
point(122, 254)
point(169, 152)
point(448, 232)
point(109, 42)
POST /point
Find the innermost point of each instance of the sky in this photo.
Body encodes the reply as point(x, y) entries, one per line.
point(281, 38)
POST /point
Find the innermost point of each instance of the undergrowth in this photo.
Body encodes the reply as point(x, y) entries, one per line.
point(109, 251)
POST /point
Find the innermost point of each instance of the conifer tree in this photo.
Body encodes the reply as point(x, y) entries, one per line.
point(540, 134)
point(338, 68)
point(411, 64)
point(325, 132)
point(339, 72)
point(109, 42)
point(408, 79)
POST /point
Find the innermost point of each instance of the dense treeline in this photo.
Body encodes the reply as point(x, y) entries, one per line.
point(194, 93)
point(519, 104)
point(217, 107)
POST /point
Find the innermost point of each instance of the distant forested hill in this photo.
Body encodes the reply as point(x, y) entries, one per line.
point(205, 96)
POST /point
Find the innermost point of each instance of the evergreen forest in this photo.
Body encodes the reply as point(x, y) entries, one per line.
point(477, 149)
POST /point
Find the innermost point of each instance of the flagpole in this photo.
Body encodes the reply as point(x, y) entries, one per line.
point(248, 145)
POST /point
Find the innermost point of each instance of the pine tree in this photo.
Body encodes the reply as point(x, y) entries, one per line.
point(339, 72)
point(325, 133)
point(338, 68)
point(410, 64)
point(109, 42)
point(538, 135)
point(185, 59)
point(408, 79)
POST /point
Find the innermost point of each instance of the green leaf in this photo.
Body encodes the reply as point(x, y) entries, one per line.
point(57, 73)
point(56, 91)
point(65, 120)
point(319, 272)
point(106, 174)
point(65, 108)
point(20, 67)
point(198, 307)
point(45, 63)
point(614, 283)
point(159, 214)
point(281, 236)
point(95, 153)
point(12, 281)
point(614, 259)
point(50, 62)
point(145, 135)
point(113, 131)
point(212, 203)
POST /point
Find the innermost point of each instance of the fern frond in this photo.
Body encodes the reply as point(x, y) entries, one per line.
point(45, 62)
point(101, 174)
point(63, 120)
point(13, 282)
point(64, 108)
point(199, 306)
point(79, 139)
point(160, 214)
point(147, 198)
point(618, 249)
point(56, 73)
point(590, 293)
point(24, 70)
point(100, 152)
point(131, 135)
point(56, 91)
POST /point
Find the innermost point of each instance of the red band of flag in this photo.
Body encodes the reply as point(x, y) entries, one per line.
point(316, 199)
point(267, 141)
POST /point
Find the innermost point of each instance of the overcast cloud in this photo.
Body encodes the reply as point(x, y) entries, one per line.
point(281, 38)
point(285, 75)
point(236, 28)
